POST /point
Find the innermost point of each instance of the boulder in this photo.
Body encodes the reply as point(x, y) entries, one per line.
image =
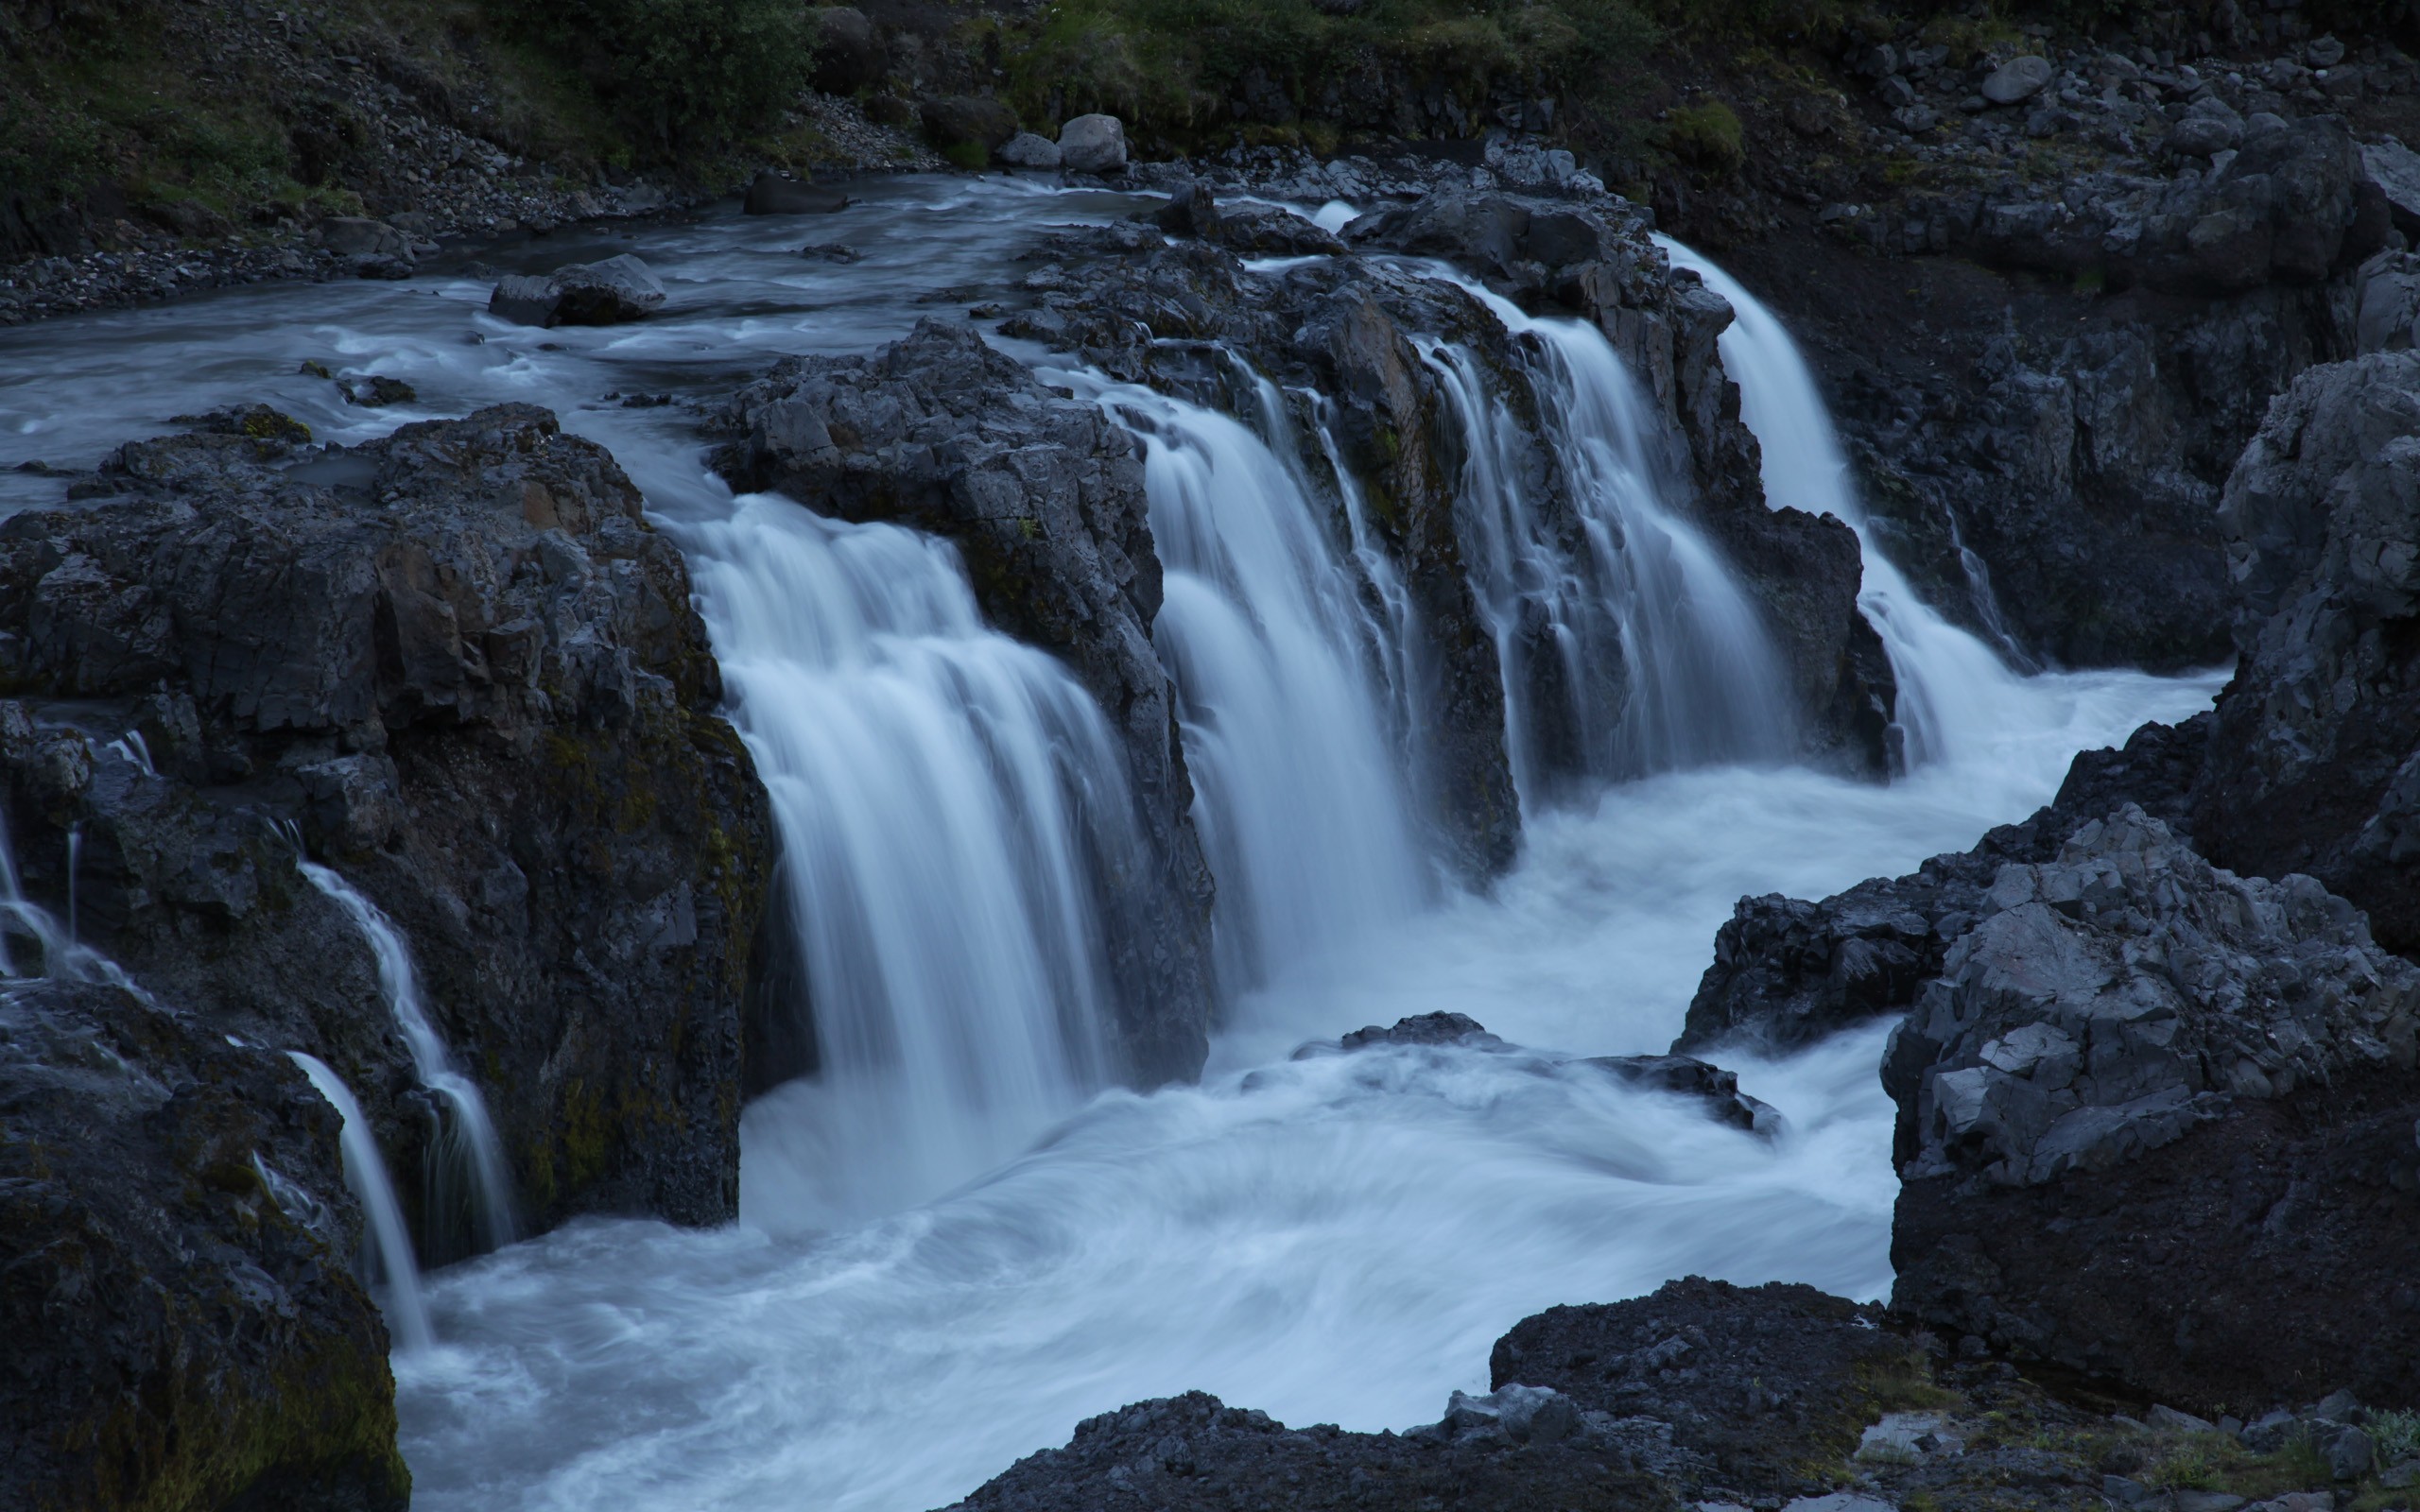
point(1264, 231)
point(605, 293)
point(1093, 143)
point(2018, 79)
point(176, 1270)
point(971, 126)
point(2315, 764)
point(360, 237)
point(1043, 495)
point(1192, 209)
point(1026, 150)
point(777, 193)
point(2155, 1123)
point(460, 668)
point(2396, 169)
point(849, 52)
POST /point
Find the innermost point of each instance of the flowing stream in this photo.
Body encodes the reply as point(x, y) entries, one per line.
point(954, 1242)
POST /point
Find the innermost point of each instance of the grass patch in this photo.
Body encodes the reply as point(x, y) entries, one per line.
point(1708, 136)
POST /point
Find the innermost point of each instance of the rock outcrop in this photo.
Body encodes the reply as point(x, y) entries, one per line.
point(458, 665)
point(176, 1283)
point(1043, 498)
point(2155, 1122)
point(2315, 766)
point(1786, 971)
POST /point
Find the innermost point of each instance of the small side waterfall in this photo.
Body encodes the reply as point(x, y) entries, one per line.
point(1952, 687)
point(467, 1177)
point(1299, 794)
point(1640, 591)
point(387, 1242)
point(946, 798)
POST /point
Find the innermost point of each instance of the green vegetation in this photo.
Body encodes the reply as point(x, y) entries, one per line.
point(676, 75)
point(1707, 134)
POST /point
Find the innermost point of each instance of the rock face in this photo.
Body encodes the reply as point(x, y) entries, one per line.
point(463, 670)
point(176, 1250)
point(1786, 971)
point(619, 288)
point(1043, 497)
point(2155, 1122)
point(2316, 763)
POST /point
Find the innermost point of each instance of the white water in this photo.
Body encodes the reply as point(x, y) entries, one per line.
point(1953, 689)
point(948, 802)
point(1302, 813)
point(1335, 1238)
point(466, 1169)
point(389, 1242)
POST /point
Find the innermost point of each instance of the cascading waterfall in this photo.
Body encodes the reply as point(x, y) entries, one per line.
point(1641, 592)
point(467, 1177)
point(1953, 690)
point(947, 800)
point(387, 1240)
point(1299, 798)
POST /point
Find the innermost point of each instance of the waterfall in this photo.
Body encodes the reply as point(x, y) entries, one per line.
point(466, 1170)
point(947, 800)
point(1299, 796)
point(1632, 649)
point(388, 1243)
point(1952, 688)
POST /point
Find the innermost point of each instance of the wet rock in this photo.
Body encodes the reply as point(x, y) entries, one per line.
point(2019, 79)
point(1786, 973)
point(605, 293)
point(1425, 1029)
point(2129, 1045)
point(1192, 209)
point(778, 193)
point(1093, 143)
point(1026, 150)
point(2315, 765)
point(1043, 497)
point(376, 392)
point(1718, 1089)
point(176, 1270)
point(458, 664)
point(830, 252)
point(1262, 231)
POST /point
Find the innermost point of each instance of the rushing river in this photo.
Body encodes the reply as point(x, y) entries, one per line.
point(953, 1247)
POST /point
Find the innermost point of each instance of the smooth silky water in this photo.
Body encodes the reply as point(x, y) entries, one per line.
point(957, 1245)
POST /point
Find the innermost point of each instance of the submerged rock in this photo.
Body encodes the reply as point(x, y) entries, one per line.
point(176, 1271)
point(460, 666)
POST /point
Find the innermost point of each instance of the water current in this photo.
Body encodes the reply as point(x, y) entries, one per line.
point(958, 1242)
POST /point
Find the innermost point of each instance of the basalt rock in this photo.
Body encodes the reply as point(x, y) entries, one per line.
point(176, 1271)
point(1043, 497)
point(2316, 763)
point(458, 665)
point(2156, 1122)
point(1786, 971)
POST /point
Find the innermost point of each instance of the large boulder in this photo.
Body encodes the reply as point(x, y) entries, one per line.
point(460, 667)
point(603, 293)
point(1043, 497)
point(2316, 763)
point(2156, 1122)
point(850, 53)
point(1093, 143)
point(176, 1271)
point(968, 128)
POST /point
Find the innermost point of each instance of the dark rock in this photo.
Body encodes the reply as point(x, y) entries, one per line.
point(1690, 1077)
point(2131, 1048)
point(1093, 143)
point(1043, 496)
point(377, 392)
point(176, 1283)
point(849, 52)
point(605, 293)
point(461, 665)
point(2019, 79)
point(1262, 231)
point(830, 252)
point(1191, 211)
point(777, 193)
point(2315, 762)
point(978, 123)
point(1786, 973)
point(1425, 1029)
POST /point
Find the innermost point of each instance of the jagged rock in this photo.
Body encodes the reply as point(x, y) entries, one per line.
point(1786, 973)
point(1026, 150)
point(619, 288)
point(778, 193)
point(1192, 209)
point(1263, 230)
point(2396, 169)
point(2315, 765)
point(1043, 497)
point(2134, 1048)
point(1425, 1029)
point(1093, 143)
point(460, 665)
point(175, 1281)
point(1690, 1077)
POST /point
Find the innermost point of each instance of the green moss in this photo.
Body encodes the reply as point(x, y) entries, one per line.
point(967, 155)
point(1707, 134)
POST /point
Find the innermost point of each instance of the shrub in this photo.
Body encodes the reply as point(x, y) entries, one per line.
point(1707, 134)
